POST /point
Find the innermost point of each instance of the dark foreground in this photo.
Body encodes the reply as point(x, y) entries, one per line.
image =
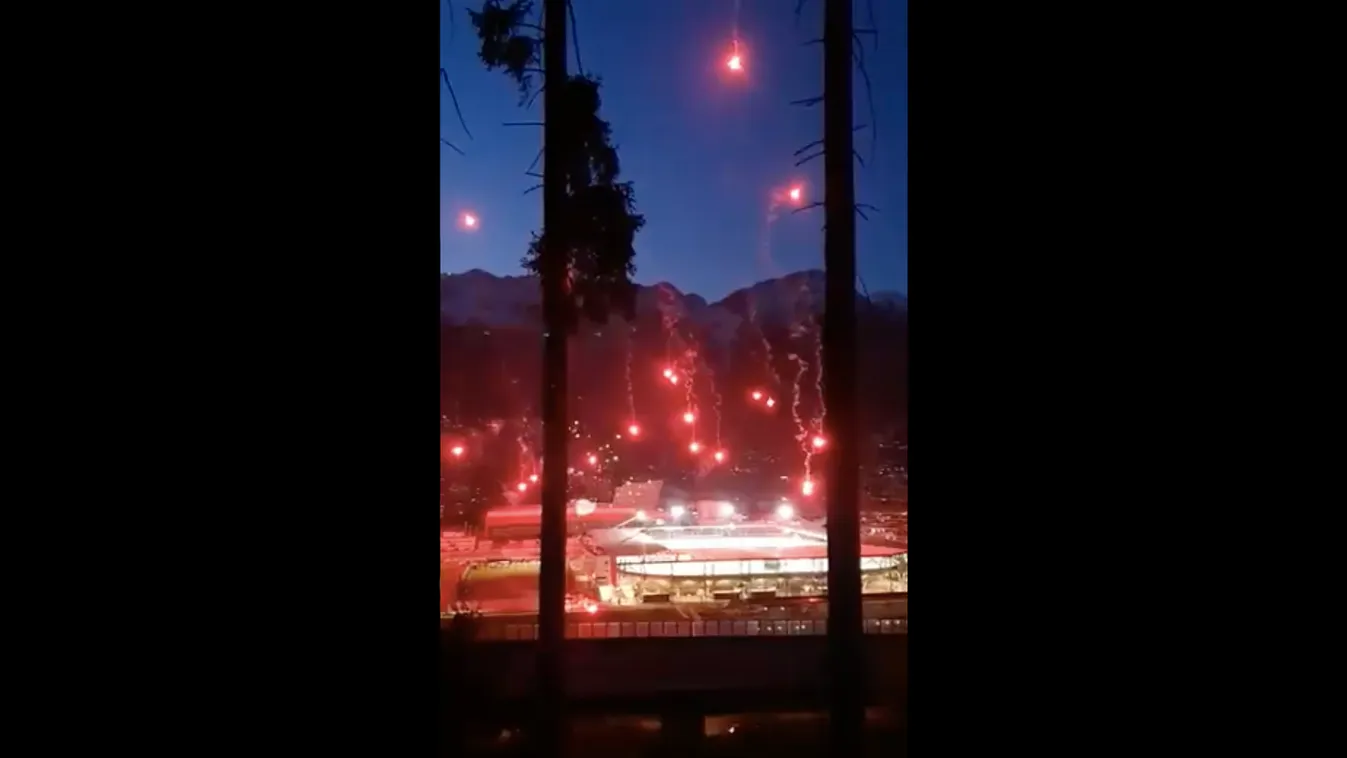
point(694, 696)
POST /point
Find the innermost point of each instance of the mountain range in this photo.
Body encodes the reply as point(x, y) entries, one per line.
point(763, 338)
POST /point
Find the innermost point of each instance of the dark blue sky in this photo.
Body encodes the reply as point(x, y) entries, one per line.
point(704, 150)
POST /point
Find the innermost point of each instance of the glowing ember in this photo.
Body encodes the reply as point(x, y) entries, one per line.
point(688, 418)
point(807, 488)
point(533, 478)
point(523, 486)
point(757, 395)
point(634, 430)
point(456, 451)
point(694, 446)
point(819, 442)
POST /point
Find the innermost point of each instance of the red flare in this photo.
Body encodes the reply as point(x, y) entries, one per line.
point(757, 395)
point(593, 460)
point(720, 456)
point(456, 451)
point(807, 488)
point(819, 442)
point(533, 478)
point(688, 418)
point(694, 446)
point(634, 430)
point(523, 486)
point(770, 402)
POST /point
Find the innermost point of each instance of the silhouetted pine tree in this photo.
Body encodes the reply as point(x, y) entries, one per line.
point(583, 257)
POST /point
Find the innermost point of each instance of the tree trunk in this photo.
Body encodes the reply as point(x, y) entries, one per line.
point(552, 574)
point(839, 355)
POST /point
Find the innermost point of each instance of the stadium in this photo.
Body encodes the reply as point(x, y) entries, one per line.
point(723, 562)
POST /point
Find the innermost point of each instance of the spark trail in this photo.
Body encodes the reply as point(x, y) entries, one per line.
point(631, 395)
point(818, 377)
point(802, 435)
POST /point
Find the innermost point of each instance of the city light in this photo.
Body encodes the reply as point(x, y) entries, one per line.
point(688, 418)
point(726, 510)
point(591, 608)
point(785, 511)
point(677, 511)
point(640, 515)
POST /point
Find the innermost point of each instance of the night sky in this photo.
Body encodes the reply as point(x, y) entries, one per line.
point(704, 149)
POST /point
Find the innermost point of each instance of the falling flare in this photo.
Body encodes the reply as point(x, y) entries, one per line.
point(807, 487)
point(795, 194)
point(720, 456)
point(819, 442)
point(688, 417)
point(456, 451)
point(771, 402)
point(634, 430)
point(735, 63)
point(694, 446)
point(533, 478)
point(593, 460)
point(523, 486)
point(757, 395)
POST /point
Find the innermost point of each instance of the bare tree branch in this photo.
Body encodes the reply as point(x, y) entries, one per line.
point(452, 146)
point(814, 41)
point(808, 102)
point(575, 38)
point(858, 54)
point(533, 188)
point(802, 209)
point(533, 174)
point(815, 143)
point(861, 213)
point(522, 123)
point(858, 157)
point(536, 158)
point(808, 158)
point(454, 98)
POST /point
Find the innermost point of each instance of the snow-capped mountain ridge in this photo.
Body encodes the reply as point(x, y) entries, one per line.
point(479, 297)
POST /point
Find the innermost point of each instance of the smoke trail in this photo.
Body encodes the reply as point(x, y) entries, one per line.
point(711, 377)
point(802, 435)
point(818, 377)
point(631, 395)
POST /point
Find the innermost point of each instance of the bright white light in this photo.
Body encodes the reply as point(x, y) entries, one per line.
point(726, 510)
point(677, 511)
point(584, 507)
point(640, 515)
point(785, 511)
